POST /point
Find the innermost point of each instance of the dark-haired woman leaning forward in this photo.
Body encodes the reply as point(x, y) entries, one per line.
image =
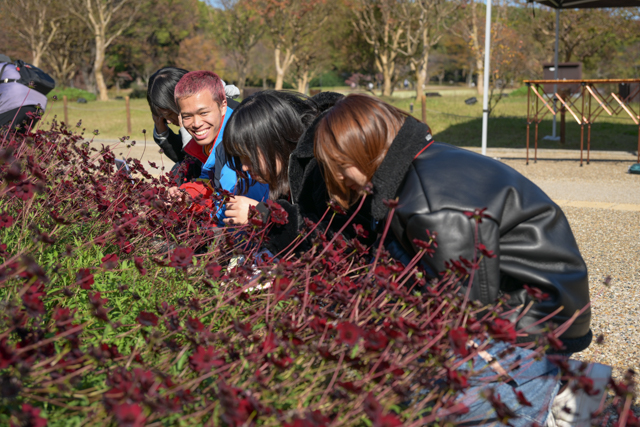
point(270, 136)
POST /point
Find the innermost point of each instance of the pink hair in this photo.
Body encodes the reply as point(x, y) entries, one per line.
point(197, 81)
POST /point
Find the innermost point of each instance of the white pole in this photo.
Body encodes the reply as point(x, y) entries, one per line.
point(555, 72)
point(487, 71)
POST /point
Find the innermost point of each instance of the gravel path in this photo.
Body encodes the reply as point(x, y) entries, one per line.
point(602, 203)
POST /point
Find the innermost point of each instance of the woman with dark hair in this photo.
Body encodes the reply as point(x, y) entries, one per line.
point(268, 138)
point(439, 189)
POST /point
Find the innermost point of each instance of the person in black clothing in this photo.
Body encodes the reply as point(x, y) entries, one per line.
point(441, 189)
point(269, 137)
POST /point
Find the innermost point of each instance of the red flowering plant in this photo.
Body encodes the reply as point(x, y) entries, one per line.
point(123, 307)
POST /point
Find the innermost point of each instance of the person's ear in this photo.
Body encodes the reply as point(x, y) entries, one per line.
point(223, 106)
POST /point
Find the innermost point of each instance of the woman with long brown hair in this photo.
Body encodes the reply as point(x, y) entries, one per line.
point(442, 190)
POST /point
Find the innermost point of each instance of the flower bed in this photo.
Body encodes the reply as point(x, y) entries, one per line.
point(120, 308)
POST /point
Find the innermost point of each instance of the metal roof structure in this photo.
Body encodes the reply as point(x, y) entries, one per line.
point(587, 4)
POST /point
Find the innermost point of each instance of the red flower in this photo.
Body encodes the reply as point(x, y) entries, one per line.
point(278, 214)
point(129, 415)
point(360, 231)
point(270, 343)
point(486, 252)
point(32, 300)
point(388, 420)
point(139, 265)
point(147, 319)
point(457, 379)
point(194, 325)
point(336, 208)
point(348, 333)
point(243, 329)
point(318, 324)
point(503, 412)
point(6, 220)
point(7, 356)
point(426, 246)
point(182, 258)
point(521, 399)
point(459, 338)
point(109, 262)
point(24, 191)
point(214, 270)
point(313, 419)
point(84, 278)
point(375, 340)
point(536, 293)
point(349, 386)
point(502, 330)
point(556, 343)
point(30, 416)
point(477, 215)
point(205, 358)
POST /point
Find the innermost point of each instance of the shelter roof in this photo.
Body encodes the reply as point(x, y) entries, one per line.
point(587, 4)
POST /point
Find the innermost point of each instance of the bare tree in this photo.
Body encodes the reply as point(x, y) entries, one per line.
point(36, 22)
point(67, 50)
point(288, 22)
point(106, 19)
point(238, 29)
point(381, 25)
point(425, 22)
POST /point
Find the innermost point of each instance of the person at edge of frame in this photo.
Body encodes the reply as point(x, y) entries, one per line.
point(19, 105)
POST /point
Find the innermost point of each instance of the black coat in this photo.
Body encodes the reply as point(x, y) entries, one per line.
point(525, 229)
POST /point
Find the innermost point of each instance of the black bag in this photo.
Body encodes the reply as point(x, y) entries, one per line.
point(32, 77)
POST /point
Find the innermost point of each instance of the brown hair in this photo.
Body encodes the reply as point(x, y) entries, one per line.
point(357, 131)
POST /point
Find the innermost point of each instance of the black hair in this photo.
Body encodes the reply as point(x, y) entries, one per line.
point(267, 124)
point(160, 89)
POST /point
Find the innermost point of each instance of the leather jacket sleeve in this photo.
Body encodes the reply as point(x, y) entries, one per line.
point(527, 232)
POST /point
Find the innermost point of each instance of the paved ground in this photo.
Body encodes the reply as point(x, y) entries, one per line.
point(602, 202)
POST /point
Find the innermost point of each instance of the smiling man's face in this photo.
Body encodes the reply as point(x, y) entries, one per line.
point(202, 116)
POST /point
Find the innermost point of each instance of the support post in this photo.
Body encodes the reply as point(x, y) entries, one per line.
point(563, 136)
point(423, 102)
point(555, 72)
point(126, 102)
point(66, 114)
point(487, 72)
point(529, 118)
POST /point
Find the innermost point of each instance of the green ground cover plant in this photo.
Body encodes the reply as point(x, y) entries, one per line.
point(123, 307)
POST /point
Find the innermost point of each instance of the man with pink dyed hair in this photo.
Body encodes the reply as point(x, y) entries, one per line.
point(204, 113)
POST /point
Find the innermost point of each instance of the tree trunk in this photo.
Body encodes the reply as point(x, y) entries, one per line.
point(97, 69)
point(480, 85)
point(243, 70)
point(37, 57)
point(303, 83)
point(421, 76)
point(282, 66)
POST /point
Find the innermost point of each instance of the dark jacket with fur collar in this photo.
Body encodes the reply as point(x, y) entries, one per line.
point(527, 231)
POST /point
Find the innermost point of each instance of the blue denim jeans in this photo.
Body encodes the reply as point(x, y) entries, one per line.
point(537, 380)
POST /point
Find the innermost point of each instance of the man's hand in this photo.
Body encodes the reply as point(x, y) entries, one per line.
point(160, 122)
point(176, 194)
point(237, 211)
